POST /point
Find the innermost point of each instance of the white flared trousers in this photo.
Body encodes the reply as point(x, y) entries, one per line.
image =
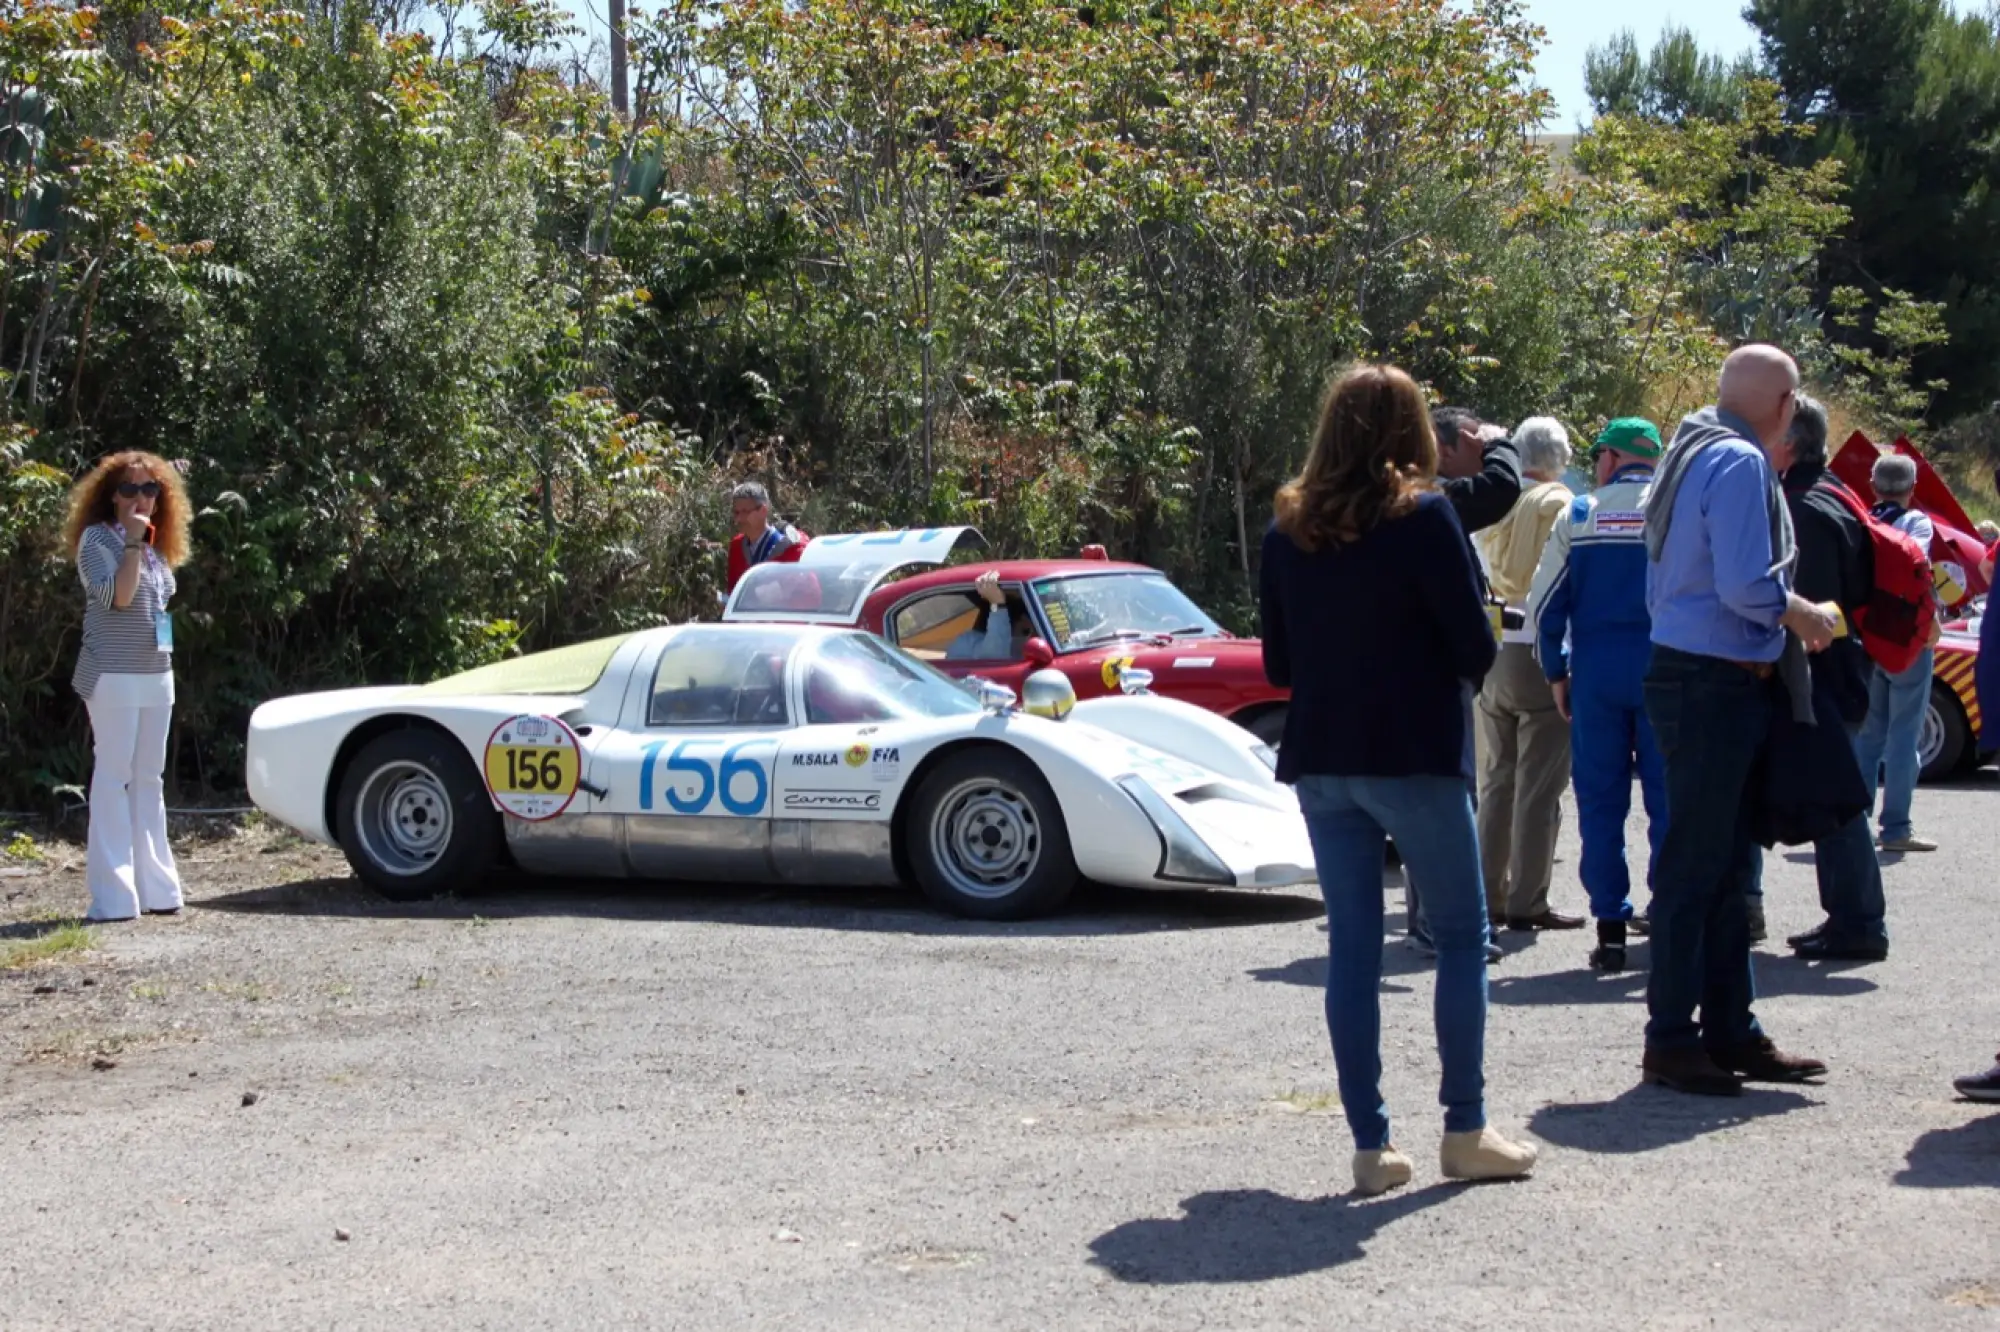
point(129, 865)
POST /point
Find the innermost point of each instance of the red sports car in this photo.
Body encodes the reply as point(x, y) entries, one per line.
point(1089, 617)
point(1946, 745)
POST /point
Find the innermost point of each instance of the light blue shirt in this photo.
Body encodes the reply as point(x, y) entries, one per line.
point(1713, 591)
point(995, 644)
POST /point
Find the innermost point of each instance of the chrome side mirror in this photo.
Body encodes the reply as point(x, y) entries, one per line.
point(1133, 680)
point(993, 698)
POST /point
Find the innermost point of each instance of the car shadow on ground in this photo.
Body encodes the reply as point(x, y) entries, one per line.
point(1239, 1235)
point(1966, 1157)
point(1094, 910)
point(1645, 1119)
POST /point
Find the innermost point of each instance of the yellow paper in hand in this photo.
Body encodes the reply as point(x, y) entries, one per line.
point(1494, 617)
point(1839, 618)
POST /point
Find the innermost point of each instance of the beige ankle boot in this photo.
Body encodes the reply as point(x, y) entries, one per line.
point(1484, 1154)
point(1379, 1171)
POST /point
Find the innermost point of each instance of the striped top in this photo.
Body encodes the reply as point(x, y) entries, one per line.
point(119, 642)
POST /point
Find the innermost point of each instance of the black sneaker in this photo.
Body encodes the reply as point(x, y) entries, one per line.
point(1980, 1086)
point(1829, 948)
point(1609, 955)
point(1807, 936)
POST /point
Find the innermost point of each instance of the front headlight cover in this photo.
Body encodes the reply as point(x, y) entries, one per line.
point(1184, 856)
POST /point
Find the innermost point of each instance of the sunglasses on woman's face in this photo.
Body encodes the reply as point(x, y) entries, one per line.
point(134, 489)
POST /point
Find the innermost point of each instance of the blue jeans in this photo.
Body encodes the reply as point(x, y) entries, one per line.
point(1986, 680)
point(1712, 720)
point(1850, 884)
point(1431, 820)
point(1887, 745)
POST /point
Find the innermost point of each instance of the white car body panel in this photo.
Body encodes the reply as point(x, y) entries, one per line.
point(845, 570)
point(814, 802)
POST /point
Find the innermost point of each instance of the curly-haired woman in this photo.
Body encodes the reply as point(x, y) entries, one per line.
point(1373, 617)
point(128, 524)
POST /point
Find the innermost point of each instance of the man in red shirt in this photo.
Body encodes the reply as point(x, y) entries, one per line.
point(757, 541)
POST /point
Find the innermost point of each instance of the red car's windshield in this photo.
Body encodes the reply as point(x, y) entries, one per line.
point(1091, 609)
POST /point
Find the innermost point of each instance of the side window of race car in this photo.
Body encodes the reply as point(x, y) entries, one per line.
point(925, 627)
point(711, 676)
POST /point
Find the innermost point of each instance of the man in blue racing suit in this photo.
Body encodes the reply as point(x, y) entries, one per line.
point(1591, 591)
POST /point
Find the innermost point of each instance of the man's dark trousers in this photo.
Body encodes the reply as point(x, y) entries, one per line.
point(1711, 719)
point(1850, 881)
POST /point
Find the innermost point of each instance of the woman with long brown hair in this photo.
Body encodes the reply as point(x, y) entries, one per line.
point(1373, 617)
point(128, 524)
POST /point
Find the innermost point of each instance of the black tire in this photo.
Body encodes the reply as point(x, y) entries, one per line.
point(1269, 725)
point(998, 797)
point(414, 817)
point(1953, 753)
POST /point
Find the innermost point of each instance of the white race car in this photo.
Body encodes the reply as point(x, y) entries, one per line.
point(773, 753)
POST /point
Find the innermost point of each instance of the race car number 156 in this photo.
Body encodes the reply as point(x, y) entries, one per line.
point(532, 767)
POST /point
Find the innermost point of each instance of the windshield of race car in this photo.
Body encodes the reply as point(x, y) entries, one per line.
point(1093, 609)
point(859, 678)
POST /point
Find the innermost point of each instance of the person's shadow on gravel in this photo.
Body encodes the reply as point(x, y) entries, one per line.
point(1645, 1119)
point(1775, 976)
point(1966, 1157)
point(1310, 972)
point(1253, 1235)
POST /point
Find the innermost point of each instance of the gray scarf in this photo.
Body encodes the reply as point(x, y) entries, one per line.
point(1709, 426)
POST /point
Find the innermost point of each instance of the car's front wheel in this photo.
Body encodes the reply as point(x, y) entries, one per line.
point(986, 838)
point(413, 816)
point(1944, 744)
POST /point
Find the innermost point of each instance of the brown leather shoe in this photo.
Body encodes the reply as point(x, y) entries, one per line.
point(1547, 920)
point(1762, 1061)
point(1690, 1071)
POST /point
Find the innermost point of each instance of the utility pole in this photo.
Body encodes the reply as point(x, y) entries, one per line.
point(620, 101)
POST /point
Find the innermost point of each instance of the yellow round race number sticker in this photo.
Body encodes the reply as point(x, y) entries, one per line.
point(533, 765)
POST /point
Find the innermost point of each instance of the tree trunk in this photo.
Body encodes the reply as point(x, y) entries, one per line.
point(620, 95)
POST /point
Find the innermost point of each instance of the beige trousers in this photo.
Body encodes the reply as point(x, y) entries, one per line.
point(1523, 768)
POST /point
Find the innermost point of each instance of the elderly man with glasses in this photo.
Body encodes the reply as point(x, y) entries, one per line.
point(757, 539)
point(1524, 754)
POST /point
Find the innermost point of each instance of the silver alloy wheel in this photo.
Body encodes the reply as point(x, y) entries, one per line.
point(403, 818)
point(1930, 737)
point(986, 838)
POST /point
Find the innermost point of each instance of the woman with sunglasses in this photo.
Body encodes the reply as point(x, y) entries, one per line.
point(128, 524)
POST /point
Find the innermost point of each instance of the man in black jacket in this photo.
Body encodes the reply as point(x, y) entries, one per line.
point(1836, 563)
point(1479, 471)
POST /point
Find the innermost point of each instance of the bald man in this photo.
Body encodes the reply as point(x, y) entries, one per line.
point(1729, 639)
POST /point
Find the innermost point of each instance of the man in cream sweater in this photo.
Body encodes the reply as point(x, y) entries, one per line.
point(1523, 737)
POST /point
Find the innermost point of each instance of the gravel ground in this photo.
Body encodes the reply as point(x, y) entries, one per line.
point(596, 1106)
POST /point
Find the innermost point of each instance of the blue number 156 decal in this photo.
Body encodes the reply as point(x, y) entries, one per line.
point(712, 780)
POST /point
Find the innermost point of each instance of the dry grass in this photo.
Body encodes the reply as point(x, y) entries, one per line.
point(59, 940)
point(1309, 1102)
point(84, 1043)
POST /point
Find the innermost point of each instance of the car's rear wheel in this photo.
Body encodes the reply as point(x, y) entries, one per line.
point(413, 816)
point(1268, 725)
point(1944, 744)
point(986, 838)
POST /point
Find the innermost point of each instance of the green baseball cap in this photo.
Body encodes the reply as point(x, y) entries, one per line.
point(1634, 435)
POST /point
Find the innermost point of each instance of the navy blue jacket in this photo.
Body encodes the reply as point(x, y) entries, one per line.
point(1382, 642)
